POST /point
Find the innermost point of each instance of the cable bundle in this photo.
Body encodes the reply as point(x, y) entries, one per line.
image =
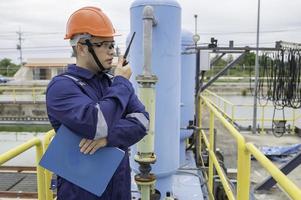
point(280, 77)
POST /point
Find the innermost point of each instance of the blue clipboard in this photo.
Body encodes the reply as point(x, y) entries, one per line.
point(90, 172)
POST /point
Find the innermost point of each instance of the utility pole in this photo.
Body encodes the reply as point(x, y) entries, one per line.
point(256, 72)
point(19, 45)
point(117, 51)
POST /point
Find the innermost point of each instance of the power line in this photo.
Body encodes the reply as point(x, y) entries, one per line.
point(250, 32)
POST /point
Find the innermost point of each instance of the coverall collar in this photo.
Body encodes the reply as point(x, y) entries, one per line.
point(80, 72)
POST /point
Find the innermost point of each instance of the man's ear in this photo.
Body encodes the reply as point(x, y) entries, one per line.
point(82, 50)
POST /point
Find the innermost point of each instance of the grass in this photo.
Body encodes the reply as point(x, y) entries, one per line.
point(25, 128)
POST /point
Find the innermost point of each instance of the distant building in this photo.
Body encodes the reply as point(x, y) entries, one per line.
point(43, 68)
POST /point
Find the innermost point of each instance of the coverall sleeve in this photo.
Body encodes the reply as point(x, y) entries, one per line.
point(132, 128)
point(67, 103)
point(126, 133)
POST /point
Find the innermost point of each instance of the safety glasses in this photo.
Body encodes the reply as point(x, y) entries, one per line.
point(105, 44)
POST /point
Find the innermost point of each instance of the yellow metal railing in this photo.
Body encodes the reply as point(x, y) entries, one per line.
point(48, 174)
point(43, 175)
point(39, 152)
point(13, 92)
point(229, 110)
point(244, 152)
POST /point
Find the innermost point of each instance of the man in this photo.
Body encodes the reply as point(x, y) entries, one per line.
point(103, 110)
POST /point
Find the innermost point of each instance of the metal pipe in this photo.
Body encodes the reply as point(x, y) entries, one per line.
point(48, 192)
point(211, 148)
point(148, 23)
point(286, 184)
point(39, 153)
point(256, 72)
point(145, 148)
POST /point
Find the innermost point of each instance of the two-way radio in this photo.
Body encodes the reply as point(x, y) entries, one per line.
point(125, 62)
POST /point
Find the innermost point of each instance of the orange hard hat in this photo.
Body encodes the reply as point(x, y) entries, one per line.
point(89, 20)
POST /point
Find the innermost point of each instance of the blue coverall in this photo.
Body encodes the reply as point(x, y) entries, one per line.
point(96, 106)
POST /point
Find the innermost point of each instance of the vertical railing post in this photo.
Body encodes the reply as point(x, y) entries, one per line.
point(262, 120)
point(48, 174)
point(232, 114)
point(40, 172)
point(199, 123)
point(211, 146)
point(243, 171)
point(14, 95)
point(225, 109)
point(33, 95)
point(294, 121)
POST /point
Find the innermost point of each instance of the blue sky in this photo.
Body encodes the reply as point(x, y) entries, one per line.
point(43, 22)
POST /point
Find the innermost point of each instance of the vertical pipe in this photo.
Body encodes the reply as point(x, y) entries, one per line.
point(148, 22)
point(14, 94)
point(200, 123)
point(145, 152)
point(232, 114)
point(225, 109)
point(40, 172)
point(197, 87)
point(166, 62)
point(197, 72)
point(33, 95)
point(48, 174)
point(146, 145)
point(211, 149)
point(197, 132)
point(262, 119)
point(243, 171)
point(145, 192)
point(294, 121)
point(256, 71)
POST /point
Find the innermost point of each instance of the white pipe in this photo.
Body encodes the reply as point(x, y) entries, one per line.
point(148, 23)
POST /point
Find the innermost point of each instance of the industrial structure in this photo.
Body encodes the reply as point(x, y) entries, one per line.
point(178, 158)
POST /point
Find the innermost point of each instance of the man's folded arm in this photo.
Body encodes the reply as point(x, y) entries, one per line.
point(67, 103)
point(126, 133)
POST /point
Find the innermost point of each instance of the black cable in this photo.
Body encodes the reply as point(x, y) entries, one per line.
point(280, 78)
point(263, 77)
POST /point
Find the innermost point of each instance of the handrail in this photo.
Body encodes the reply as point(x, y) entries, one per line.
point(222, 104)
point(287, 185)
point(223, 99)
point(39, 153)
point(219, 170)
point(243, 157)
point(35, 91)
point(244, 152)
point(21, 88)
point(47, 139)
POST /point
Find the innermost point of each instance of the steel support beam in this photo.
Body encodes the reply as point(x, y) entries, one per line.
point(286, 169)
point(223, 71)
point(217, 59)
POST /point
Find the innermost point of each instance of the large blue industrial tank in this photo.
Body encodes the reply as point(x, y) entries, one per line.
point(166, 62)
point(187, 90)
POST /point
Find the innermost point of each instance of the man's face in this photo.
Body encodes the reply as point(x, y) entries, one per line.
point(104, 49)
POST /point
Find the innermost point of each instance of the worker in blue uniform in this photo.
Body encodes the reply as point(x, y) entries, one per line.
point(102, 109)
